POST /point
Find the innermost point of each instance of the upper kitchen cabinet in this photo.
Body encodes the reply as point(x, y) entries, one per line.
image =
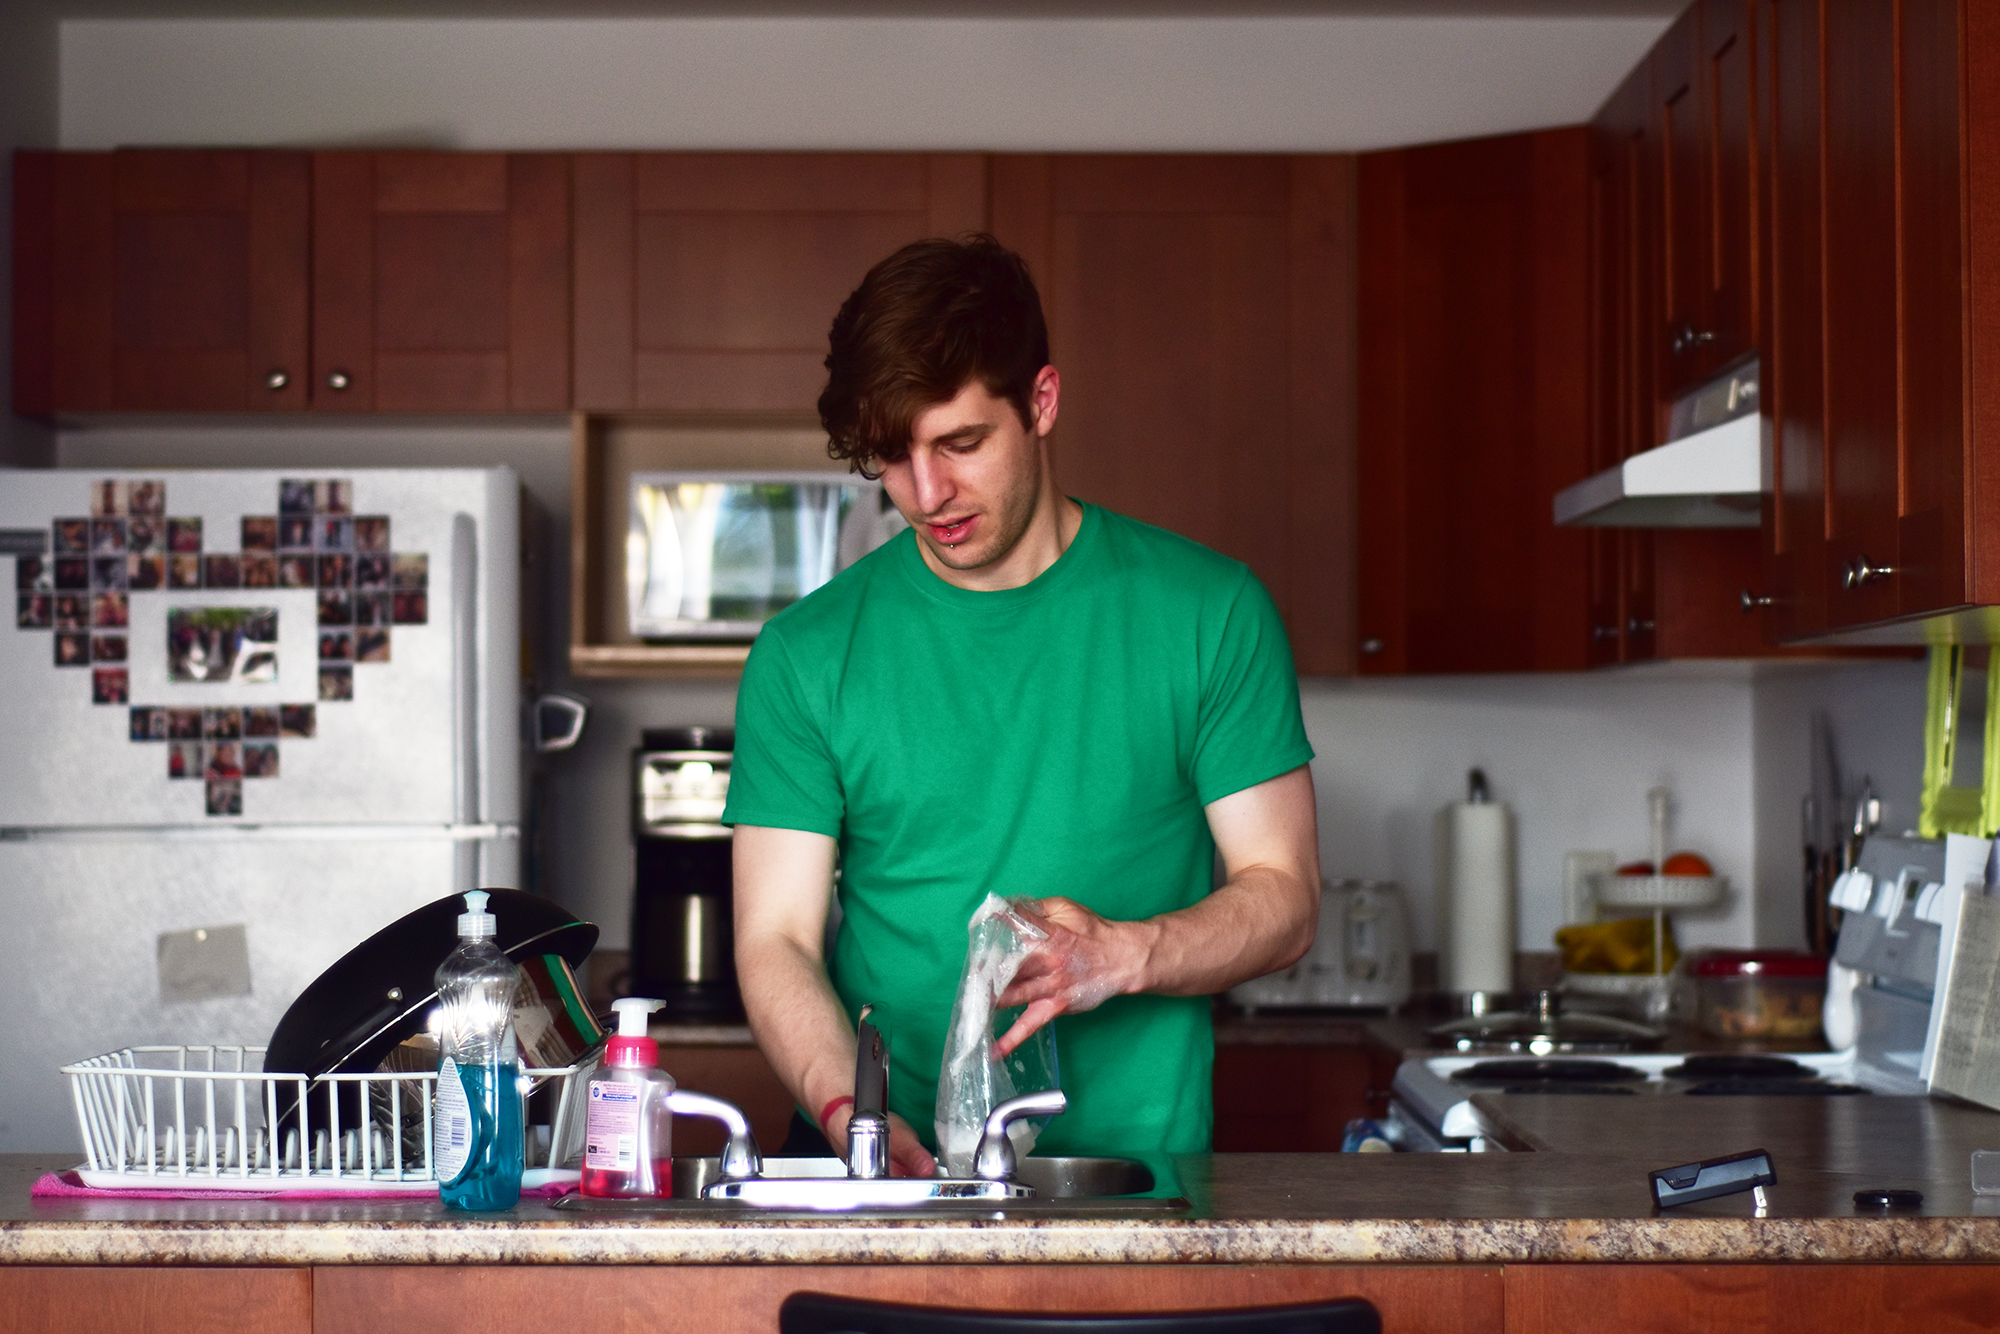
point(1474, 311)
point(441, 282)
point(1201, 310)
point(160, 281)
point(707, 281)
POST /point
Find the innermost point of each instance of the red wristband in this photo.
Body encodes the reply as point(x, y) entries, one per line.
point(833, 1105)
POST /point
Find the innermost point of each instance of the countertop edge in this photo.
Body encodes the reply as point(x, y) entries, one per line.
point(1400, 1241)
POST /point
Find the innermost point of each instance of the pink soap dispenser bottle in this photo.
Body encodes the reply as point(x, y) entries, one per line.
point(629, 1129)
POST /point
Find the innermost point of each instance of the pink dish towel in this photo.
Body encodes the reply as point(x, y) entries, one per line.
point(67, 1185)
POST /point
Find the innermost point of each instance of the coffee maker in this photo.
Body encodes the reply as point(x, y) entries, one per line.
point(683, 947)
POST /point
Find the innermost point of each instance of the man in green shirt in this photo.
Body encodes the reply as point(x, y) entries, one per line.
point(1025, 696)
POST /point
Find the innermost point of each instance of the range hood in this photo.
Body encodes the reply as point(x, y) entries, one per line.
point(1709, 474)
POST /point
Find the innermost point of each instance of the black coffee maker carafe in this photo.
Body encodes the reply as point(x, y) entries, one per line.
point(683, 948)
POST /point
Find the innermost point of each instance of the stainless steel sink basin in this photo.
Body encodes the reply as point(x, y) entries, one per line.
point(820, 1185)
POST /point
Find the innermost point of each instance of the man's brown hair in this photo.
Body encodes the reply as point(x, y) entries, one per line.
point(923, 324)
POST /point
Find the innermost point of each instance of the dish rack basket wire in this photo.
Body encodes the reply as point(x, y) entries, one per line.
point(207, 1117)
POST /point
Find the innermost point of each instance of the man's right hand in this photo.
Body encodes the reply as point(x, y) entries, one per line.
point(907, 1155)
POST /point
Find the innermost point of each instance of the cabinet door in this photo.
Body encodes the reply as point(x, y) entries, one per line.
point(161, 280)
point(1680, 139)
point(1474, 310)
point(1200, 309)
point(1732, 169)
point(707, 281)
point(69, 1299)
point(440, 282)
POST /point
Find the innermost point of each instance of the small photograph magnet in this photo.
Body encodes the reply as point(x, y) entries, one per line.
point(184, 572)
point(371, 645)
point(185, 759)
point(146, 572)
point(107, 498)
point(221, 572)
point(184, 536)
point(412, 608)
point(72, 650)
point(335, 495)
point(260, 759)
point(295, 532)
point(372, 571)
point(184, 724)
point(33, 574)
point(107, 648)
point(297, 720)
point(143, 535)
point(295, 496)
point(107, 536)
point(336, 683)
point(225, 759)
point(109, 611)
point(259, 570)
point(336, 646)
point(260, 533)
point(148, 497)
point(72, 611)
point(260, 720)
point(336, 571)
point(336, 533)
point(412, 570)
point(225, 796)
point(72, 572)
point(224, 724)
point(296, 572)
point(374, 609)
point(336, 606)
point(36, 611)
point(109, 685)
point(107, 572)
point(148, 724)
point(71, 536)
point(371, 532)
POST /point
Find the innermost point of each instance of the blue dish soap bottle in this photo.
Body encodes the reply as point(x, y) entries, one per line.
point(476, 1150)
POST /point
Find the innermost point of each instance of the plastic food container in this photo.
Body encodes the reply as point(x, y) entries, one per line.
point(1758, 993)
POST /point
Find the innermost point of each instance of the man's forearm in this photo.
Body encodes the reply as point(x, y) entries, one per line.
point(797, 1019)
point(1258, 922)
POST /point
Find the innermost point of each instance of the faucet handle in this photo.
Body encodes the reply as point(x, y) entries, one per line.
point(740, 1158)
point(995, 1159)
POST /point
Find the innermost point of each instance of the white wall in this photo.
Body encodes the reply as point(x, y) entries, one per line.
point(1262, 84)
point(27, 120)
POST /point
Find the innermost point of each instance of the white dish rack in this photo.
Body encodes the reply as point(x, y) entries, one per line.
point(203, 1118)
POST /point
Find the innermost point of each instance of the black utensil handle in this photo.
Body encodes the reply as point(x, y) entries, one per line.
point(1711, 1178)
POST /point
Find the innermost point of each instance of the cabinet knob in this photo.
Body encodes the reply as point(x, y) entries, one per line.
point(1862, 573)
point(277, 380)
point(1604, 632)
point(1751, 601)
point(1371, 646)
point(1635, 626)
point(338, 380)
point(1687, 338)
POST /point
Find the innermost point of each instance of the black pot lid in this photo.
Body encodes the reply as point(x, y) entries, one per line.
point(1544, 1027)
point(380, 991)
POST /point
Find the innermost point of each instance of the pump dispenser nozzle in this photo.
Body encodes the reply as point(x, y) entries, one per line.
point(475, 923)
point(632, 1012)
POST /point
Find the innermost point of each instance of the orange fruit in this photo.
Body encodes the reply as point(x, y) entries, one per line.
point(1686, 863)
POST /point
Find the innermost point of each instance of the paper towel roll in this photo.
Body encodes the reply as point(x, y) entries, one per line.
point(1475, 877)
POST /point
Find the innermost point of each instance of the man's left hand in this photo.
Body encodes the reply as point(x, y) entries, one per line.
point(1086, 960)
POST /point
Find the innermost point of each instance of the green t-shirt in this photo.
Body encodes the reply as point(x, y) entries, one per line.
point(1057, 738)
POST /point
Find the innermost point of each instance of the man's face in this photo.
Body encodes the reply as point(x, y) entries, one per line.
point(974, 478)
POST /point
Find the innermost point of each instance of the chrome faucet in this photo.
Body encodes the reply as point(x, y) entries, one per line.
point(868, 1128)
point(995, 1159)
point(740, 1157)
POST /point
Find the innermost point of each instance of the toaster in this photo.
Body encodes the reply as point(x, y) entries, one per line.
point(1360, 958)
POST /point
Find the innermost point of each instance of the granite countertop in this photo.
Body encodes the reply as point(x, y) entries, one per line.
point(1581, 1196)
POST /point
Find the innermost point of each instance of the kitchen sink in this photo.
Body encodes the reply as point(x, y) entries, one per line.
point(1052, 1184)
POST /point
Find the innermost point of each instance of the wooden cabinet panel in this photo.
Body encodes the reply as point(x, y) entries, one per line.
point(700, 1299)
point(1729, 72)
point(162, 280)
point(739, 1075)
point(441, 282)
point(1680, 142)
point(707, 281)
point(1296, 1099)
point(1749, 1299)
point(1474, 295)
point(1200, 310)
point(71, 1299)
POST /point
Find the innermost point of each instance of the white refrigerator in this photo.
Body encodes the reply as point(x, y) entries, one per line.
point(247, 718)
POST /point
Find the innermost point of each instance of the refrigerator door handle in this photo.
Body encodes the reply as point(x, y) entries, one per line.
point(465, 694)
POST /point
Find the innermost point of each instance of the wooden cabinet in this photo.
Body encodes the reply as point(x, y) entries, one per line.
point(440, 282)
point(1753, 1299)
point(707, 281)
point(160, 281)
point(72, 1299)
point(1474, 304)
point(1293, 1098)
point(1201, 311)
point(196, 281)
